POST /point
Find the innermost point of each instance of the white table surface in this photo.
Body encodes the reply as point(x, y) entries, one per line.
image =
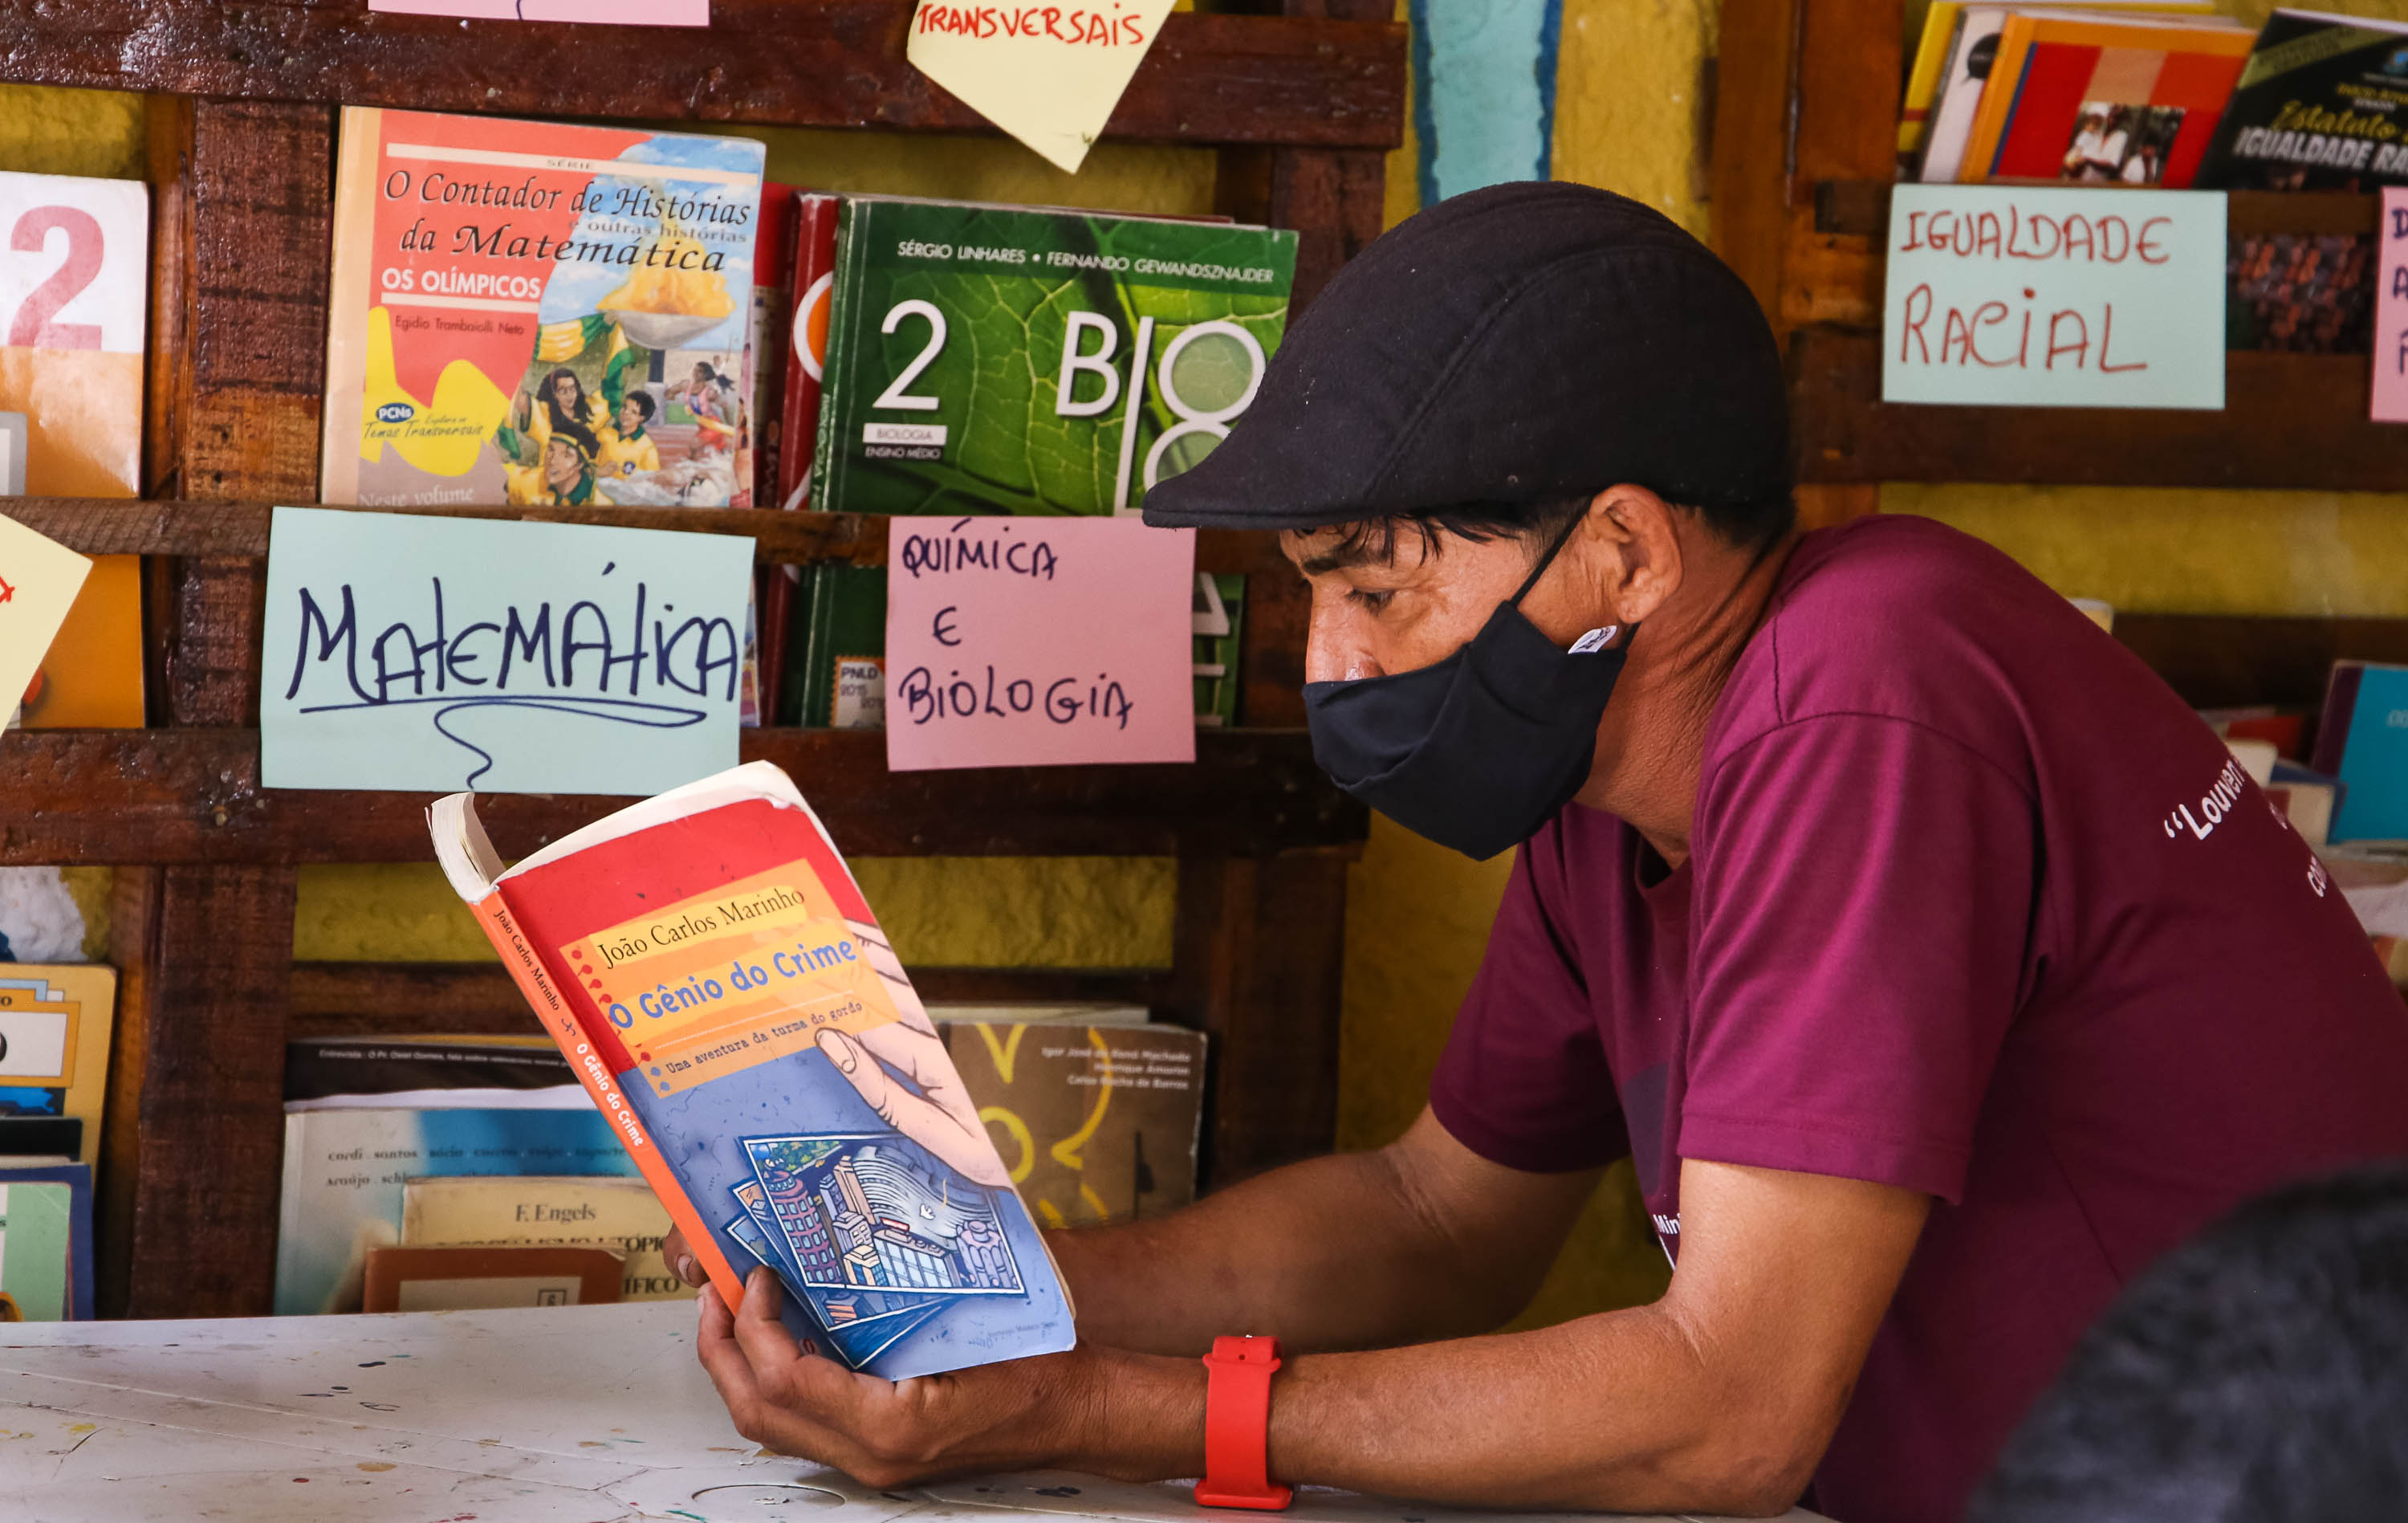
point(588, 1415)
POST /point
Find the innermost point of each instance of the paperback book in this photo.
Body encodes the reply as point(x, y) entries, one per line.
point(2105, 101)
point(985, 359)
point(2322, 105)
point(46, 1243)
point(74, 288)
point(1002, 359)
point(538, 313)
point(364, 1116)
point(2360, 746)
point(55, 1025)
point(709, 968)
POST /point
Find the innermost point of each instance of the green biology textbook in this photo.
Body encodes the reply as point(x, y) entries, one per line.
point(990, 359)
point(986, 359)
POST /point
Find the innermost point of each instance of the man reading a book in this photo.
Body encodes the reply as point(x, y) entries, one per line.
point(1930, 961)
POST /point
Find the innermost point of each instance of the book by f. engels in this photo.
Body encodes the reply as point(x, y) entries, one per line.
point(709, 966)
point(537, 313)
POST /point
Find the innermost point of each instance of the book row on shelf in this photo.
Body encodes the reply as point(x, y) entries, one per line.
point(557, 315)
point(2163, 94)
point(454, 1172)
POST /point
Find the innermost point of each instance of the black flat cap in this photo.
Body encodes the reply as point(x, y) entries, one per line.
point(1517, 344)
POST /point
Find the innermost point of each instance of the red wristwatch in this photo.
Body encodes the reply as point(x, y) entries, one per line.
point(1237, 1425)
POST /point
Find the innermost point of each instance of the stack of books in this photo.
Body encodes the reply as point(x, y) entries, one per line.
point(55, 1024)
point(2143, 92)
point(451, 1173)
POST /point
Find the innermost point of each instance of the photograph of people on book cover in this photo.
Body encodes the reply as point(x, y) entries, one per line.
point(2121, 145)
point(509, 323)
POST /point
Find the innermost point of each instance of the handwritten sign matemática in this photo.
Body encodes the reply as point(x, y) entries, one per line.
point(436, 653)
point(1048, 74)
point(1037, 641)
point(2391, 308)
point(39, 578)
point(2035, 296)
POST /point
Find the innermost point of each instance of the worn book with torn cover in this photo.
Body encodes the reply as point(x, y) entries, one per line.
point(712, 970)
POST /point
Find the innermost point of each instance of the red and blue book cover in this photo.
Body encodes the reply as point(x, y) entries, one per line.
point(712, 973)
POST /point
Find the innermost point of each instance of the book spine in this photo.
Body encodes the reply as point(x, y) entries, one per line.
point(828, 486)
point(347, 303)
point(2333, 724)
point(818, 682)
point(560, 1021)
point(2000, 97)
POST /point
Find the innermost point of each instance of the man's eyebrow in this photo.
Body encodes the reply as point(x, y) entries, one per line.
point(1355, 552)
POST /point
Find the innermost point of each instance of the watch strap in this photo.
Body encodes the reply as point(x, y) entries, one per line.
point(1237, 1425)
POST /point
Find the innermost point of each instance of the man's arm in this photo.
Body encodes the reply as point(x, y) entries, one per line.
point(1719, 1398)
point(1422, 1238)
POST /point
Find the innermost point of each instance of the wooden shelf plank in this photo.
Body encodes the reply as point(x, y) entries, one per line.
point(194, 796)
point(113, 526)
point(2288, 421)
point(2222, 660)
point(1208, 80)
point(1860, 208)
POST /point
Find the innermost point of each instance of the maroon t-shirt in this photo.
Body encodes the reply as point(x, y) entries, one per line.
point(1976, 907)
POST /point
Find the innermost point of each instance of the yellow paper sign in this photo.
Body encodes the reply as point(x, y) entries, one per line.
point(39, 578)
point(1049, 75)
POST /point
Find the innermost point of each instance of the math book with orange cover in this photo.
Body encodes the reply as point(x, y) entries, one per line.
point(537, 312)
point(711, 971)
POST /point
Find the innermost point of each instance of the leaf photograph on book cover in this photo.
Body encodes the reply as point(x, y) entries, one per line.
point(988, 368)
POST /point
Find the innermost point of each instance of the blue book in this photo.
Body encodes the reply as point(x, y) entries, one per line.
point(2362, 740)
point(709, 968)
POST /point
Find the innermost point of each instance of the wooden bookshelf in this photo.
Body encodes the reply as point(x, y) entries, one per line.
point(1805, 144)
point(1300, 106)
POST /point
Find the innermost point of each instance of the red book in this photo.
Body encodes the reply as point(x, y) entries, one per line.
point(773, 257)
point(812, 260)
point(2119, 102)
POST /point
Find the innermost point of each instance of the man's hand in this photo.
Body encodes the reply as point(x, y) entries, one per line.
point(1028, 1413)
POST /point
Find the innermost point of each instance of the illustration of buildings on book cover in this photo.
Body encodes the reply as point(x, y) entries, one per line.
point(876, 1212)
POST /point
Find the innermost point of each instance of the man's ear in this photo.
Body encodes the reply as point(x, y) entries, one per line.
point(1636, 549)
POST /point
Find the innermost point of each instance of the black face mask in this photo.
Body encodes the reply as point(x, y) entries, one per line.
point(1478, 750)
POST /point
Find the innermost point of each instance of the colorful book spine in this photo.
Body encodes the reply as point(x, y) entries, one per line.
point(785, 588)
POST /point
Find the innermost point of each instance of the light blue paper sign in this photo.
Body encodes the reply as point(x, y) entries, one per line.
point(436, 653)
point(2015, 296)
